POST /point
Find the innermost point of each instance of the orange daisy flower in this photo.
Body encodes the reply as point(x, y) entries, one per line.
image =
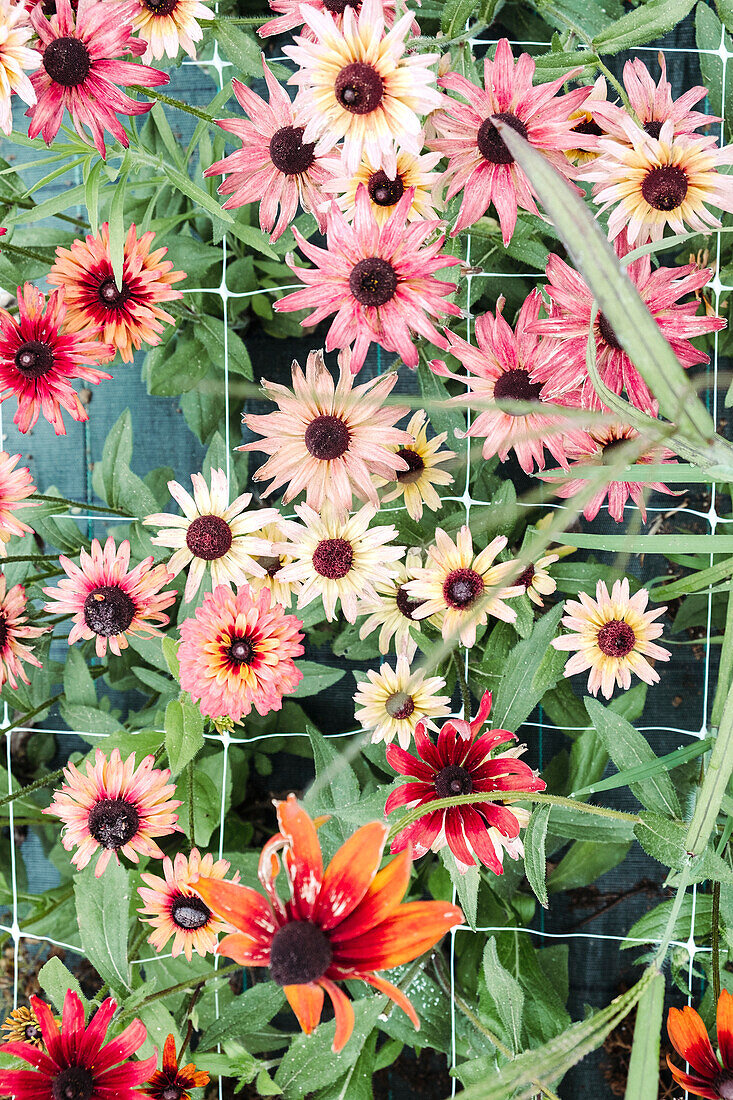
point(172, 908)
point(340, 924)
point(14, 631)
point(124, 316)
point(172, 1082)
point(689, 1037)
point(115, 807)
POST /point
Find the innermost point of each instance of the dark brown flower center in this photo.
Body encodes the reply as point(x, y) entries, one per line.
point(74, 1083)
point(67, 61)
point(653, 127)
point(110, 295)
point(189, 913)
point(406, 604)
point(171, 1092)
point(338, 7)
point(616, 638)
point(300, 953)
point(373, 281)
point(327, 437)
point(607, 332)
point(399, 705)
point(241, 651)
point(490, 143)
point(384, 191)
point(34, 359)
point(453, 780)
point(665, 188)
point(724, 1085)
point(161, 7)
point(415, 466)
point(359, 88)
point(3, 631)
point(113, 822)
point(608, 450)
point(588, 126)
point(108, 610)
point(209, 537)
point(526, 578)
point(288, 153)
point(32, 1033)
point(333, 558)
point(271, 565)
point(514, 385)
point(462, 587)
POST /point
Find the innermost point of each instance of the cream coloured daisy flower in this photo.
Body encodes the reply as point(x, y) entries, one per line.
point(413, 171)
point(613, 636)
point(536, 581)
point(280, 590)
point(462, 587)
point(16, 59)
point(169, 26)
point(417, 483)
point(392, 701)
point(393, 611)
point(357, 83)
point(212, 533)
point(649, 184)
point(338, 558)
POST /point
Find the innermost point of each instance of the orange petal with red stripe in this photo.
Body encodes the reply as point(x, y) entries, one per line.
point(695, 1085)
point(306, 1002)
point(350, 874)
point(302, 858)
point(690, 1039)
point(344, 1011)
point(724, 1025)
point(245, 949)
point(409, 932)
point(387, 890)
point(395, 995)
point(240, 905)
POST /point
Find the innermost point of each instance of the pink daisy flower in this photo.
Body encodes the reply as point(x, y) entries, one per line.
point(600, 441)
point(75, 1061)
point(290, 15)
point(378, 281)
point(479, 163)
point(15, 487)
point(569, 322)
point(463, 762)
point(81, 70)
point(108, 602)
point(39, 357)
point(14, 632)
point(653, 104)
point(237, 653)
point(504, 367)
point(329, 438)
point(116, 807)
point(16, 59)
point(274, 167)
point(360, 85)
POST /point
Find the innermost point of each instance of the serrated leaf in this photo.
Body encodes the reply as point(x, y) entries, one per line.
point(55, 980)
point(643, 24)
point(102, 908)
point(184, 733)
point(248, 1012)
point(335, 784)
point(309, 1063)
point(506, 992)
point(467, 885)
point(531, 669)
point(535, 862)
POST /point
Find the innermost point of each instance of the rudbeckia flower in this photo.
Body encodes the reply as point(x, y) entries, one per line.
point(16, 60)
point(341, 923)
point(172, 1082)
point(689, 1037)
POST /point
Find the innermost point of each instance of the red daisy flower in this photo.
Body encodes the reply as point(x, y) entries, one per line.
point(462, 763)
point(569, 321)
point(39, 357)
point(79, 1064)
point(340, 924)
point(689, 1037)
point(172, 1083)
point(479, 163)
point(377, 280)
point(80, 70)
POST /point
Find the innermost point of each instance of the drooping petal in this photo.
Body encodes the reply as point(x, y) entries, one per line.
point(306, 1002)
point(344, 1012)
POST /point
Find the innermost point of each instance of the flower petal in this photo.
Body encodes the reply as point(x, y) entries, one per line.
point(344, 1011)
point(349, 874)
point(414, 928)
point(387, 889)
point(306, 1002)
point(688, 1036)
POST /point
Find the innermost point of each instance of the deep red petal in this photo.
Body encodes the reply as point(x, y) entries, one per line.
point(698, 1086)
point(49, 1028)
point(455, 836)
point(121, 1047)
point(350, 873)
point(73, 1025)
point(420, 833)
point(97, 1030)
point(477, 835)
point(385, 893)
point(32, 1055)
point(407, 793)
point(406, 764)
point(427, 750)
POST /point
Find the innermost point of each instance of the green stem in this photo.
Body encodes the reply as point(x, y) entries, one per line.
point(465, 693)
point(684, 882)
point(95, 673)
point(189, 1029)
point(16, 250)
point(507, 797)
point(725, 668)
point(715, 960)
point(617, 85)
point(244, 21)
point(45, 781)
point(171, 102)
point(30, 557)
point(137, 942)
point(68, 893)
point(191, 826)
point(81, 504)
point(710, 795)
point(28, 204)
point(221, 973)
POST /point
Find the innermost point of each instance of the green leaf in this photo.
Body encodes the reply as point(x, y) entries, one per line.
point(83, 718)
point(506, 993)
point(206, 808)
point(632, 775)
point(116, 482)
point(197, 194)
point(643, 24)
point(466, 884)
point(102, 909)
point(533, 667)
point(309, 1063)
point(651, 927)
point(184, 733)
point(204, 408)
point(78, 683)
point(643, 1080)
point(248, 1012)
point(55, 979)
point(177, 367)
point(335, 785)
point(535, 862)
point(316, 678)
point(243, 51)
point(584, 862)
point(629, 749)
point(456, 15)
point(662, 839)
point(717, 776)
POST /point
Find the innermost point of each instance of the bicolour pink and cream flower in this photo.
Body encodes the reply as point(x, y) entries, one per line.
point(15, 633)
point(175, 911)
point(360, 85)
point(40, 356)
point(290, 15)
point(479, 162)
point(15, 488)
point(328, 438)
point(569, 321)
point(237, 653)
point(413, 171)
point(115, 807)
point(505, 366)
point(275, 166)
point(379, 281)
point(17, 59)
point(107, 601)
point(167, 26)
point(81, 71)
point(612, 636)
point(603, 441)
